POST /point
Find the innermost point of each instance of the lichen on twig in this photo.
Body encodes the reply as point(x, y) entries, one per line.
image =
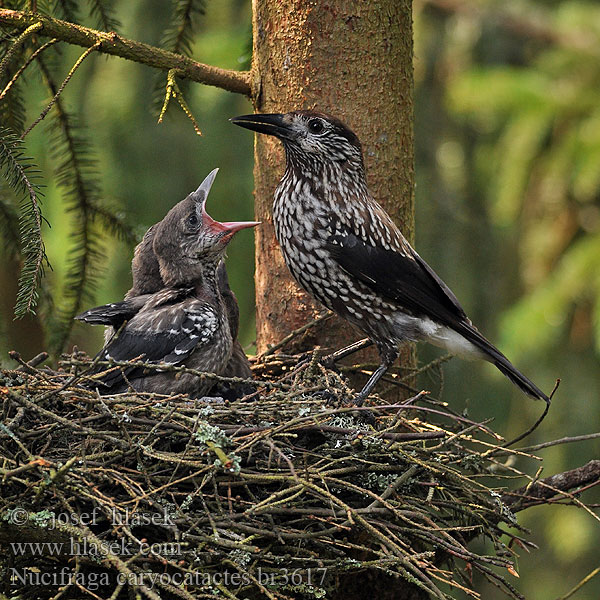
point(290, 479)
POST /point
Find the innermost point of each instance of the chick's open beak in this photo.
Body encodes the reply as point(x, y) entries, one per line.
point(229, 228)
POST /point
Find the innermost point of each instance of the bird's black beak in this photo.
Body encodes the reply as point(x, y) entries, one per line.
point(271, 124)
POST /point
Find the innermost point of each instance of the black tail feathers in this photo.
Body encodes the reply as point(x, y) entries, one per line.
point(520, 380)
point(496, 357)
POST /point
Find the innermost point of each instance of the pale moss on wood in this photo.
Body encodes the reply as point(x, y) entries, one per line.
point(287, 480)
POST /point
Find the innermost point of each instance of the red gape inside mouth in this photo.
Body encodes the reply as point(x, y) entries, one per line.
point(229, 228)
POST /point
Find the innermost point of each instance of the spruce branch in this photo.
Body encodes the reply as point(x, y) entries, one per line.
point(22, 68)
point(9, 225)
point(115, 222)
point(179, 36)
point(173, 91)
point(68, 9)
point(12, 109)
point(75, 175)
point(28, 32)
point(113, 44)
point(102, 10)
point(62, 87)
point(19, 172)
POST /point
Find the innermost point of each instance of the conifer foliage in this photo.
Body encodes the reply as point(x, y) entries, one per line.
point(26, 58)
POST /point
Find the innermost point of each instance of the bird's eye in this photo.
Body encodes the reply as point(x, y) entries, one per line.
point(315, 126)
point(192, 220)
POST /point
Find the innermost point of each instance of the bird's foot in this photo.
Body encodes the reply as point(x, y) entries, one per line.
point(361, 413)
point(326, 395)
point(331, 398)
point(360, 398)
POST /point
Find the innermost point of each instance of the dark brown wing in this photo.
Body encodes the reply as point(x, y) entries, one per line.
point(405, 279)
point(167, 330)
point(115, 313)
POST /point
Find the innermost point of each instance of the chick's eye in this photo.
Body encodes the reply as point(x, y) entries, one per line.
point(192, 220)
point(315, 126)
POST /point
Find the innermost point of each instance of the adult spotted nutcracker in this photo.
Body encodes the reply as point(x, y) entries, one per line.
point(345, 250)
point(188, 320)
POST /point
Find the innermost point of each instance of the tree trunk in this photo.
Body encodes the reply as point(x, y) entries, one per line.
point(354, 61)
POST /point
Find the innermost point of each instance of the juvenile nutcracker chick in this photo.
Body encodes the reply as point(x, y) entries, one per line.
point(187, 321)
point(146, 279)
point(345, 250)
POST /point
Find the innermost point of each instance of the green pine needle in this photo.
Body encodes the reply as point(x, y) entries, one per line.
point(67, 9)
point(103, 12)
point(9, 224)
point(178, 38)
point(12, 109)
point(76, 176)
point(20, 173)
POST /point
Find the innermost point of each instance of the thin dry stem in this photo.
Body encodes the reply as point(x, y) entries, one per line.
point(289, 481)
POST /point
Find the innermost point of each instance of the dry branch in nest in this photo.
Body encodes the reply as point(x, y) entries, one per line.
point(278, 495)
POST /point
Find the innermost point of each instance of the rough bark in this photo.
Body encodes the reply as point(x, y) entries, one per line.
point(353, 60)
point(543, 490)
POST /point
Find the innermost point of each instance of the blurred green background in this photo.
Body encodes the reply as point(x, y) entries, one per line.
point(507, 109)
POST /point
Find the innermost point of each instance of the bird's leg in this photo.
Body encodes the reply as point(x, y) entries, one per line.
point(331, 359)
point(387, 360)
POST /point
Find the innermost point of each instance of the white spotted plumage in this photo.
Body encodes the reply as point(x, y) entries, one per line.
point(346, 251)
point(307, 216)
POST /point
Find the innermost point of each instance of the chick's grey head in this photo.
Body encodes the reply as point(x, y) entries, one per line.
point(308, 136)
point(188, 242)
